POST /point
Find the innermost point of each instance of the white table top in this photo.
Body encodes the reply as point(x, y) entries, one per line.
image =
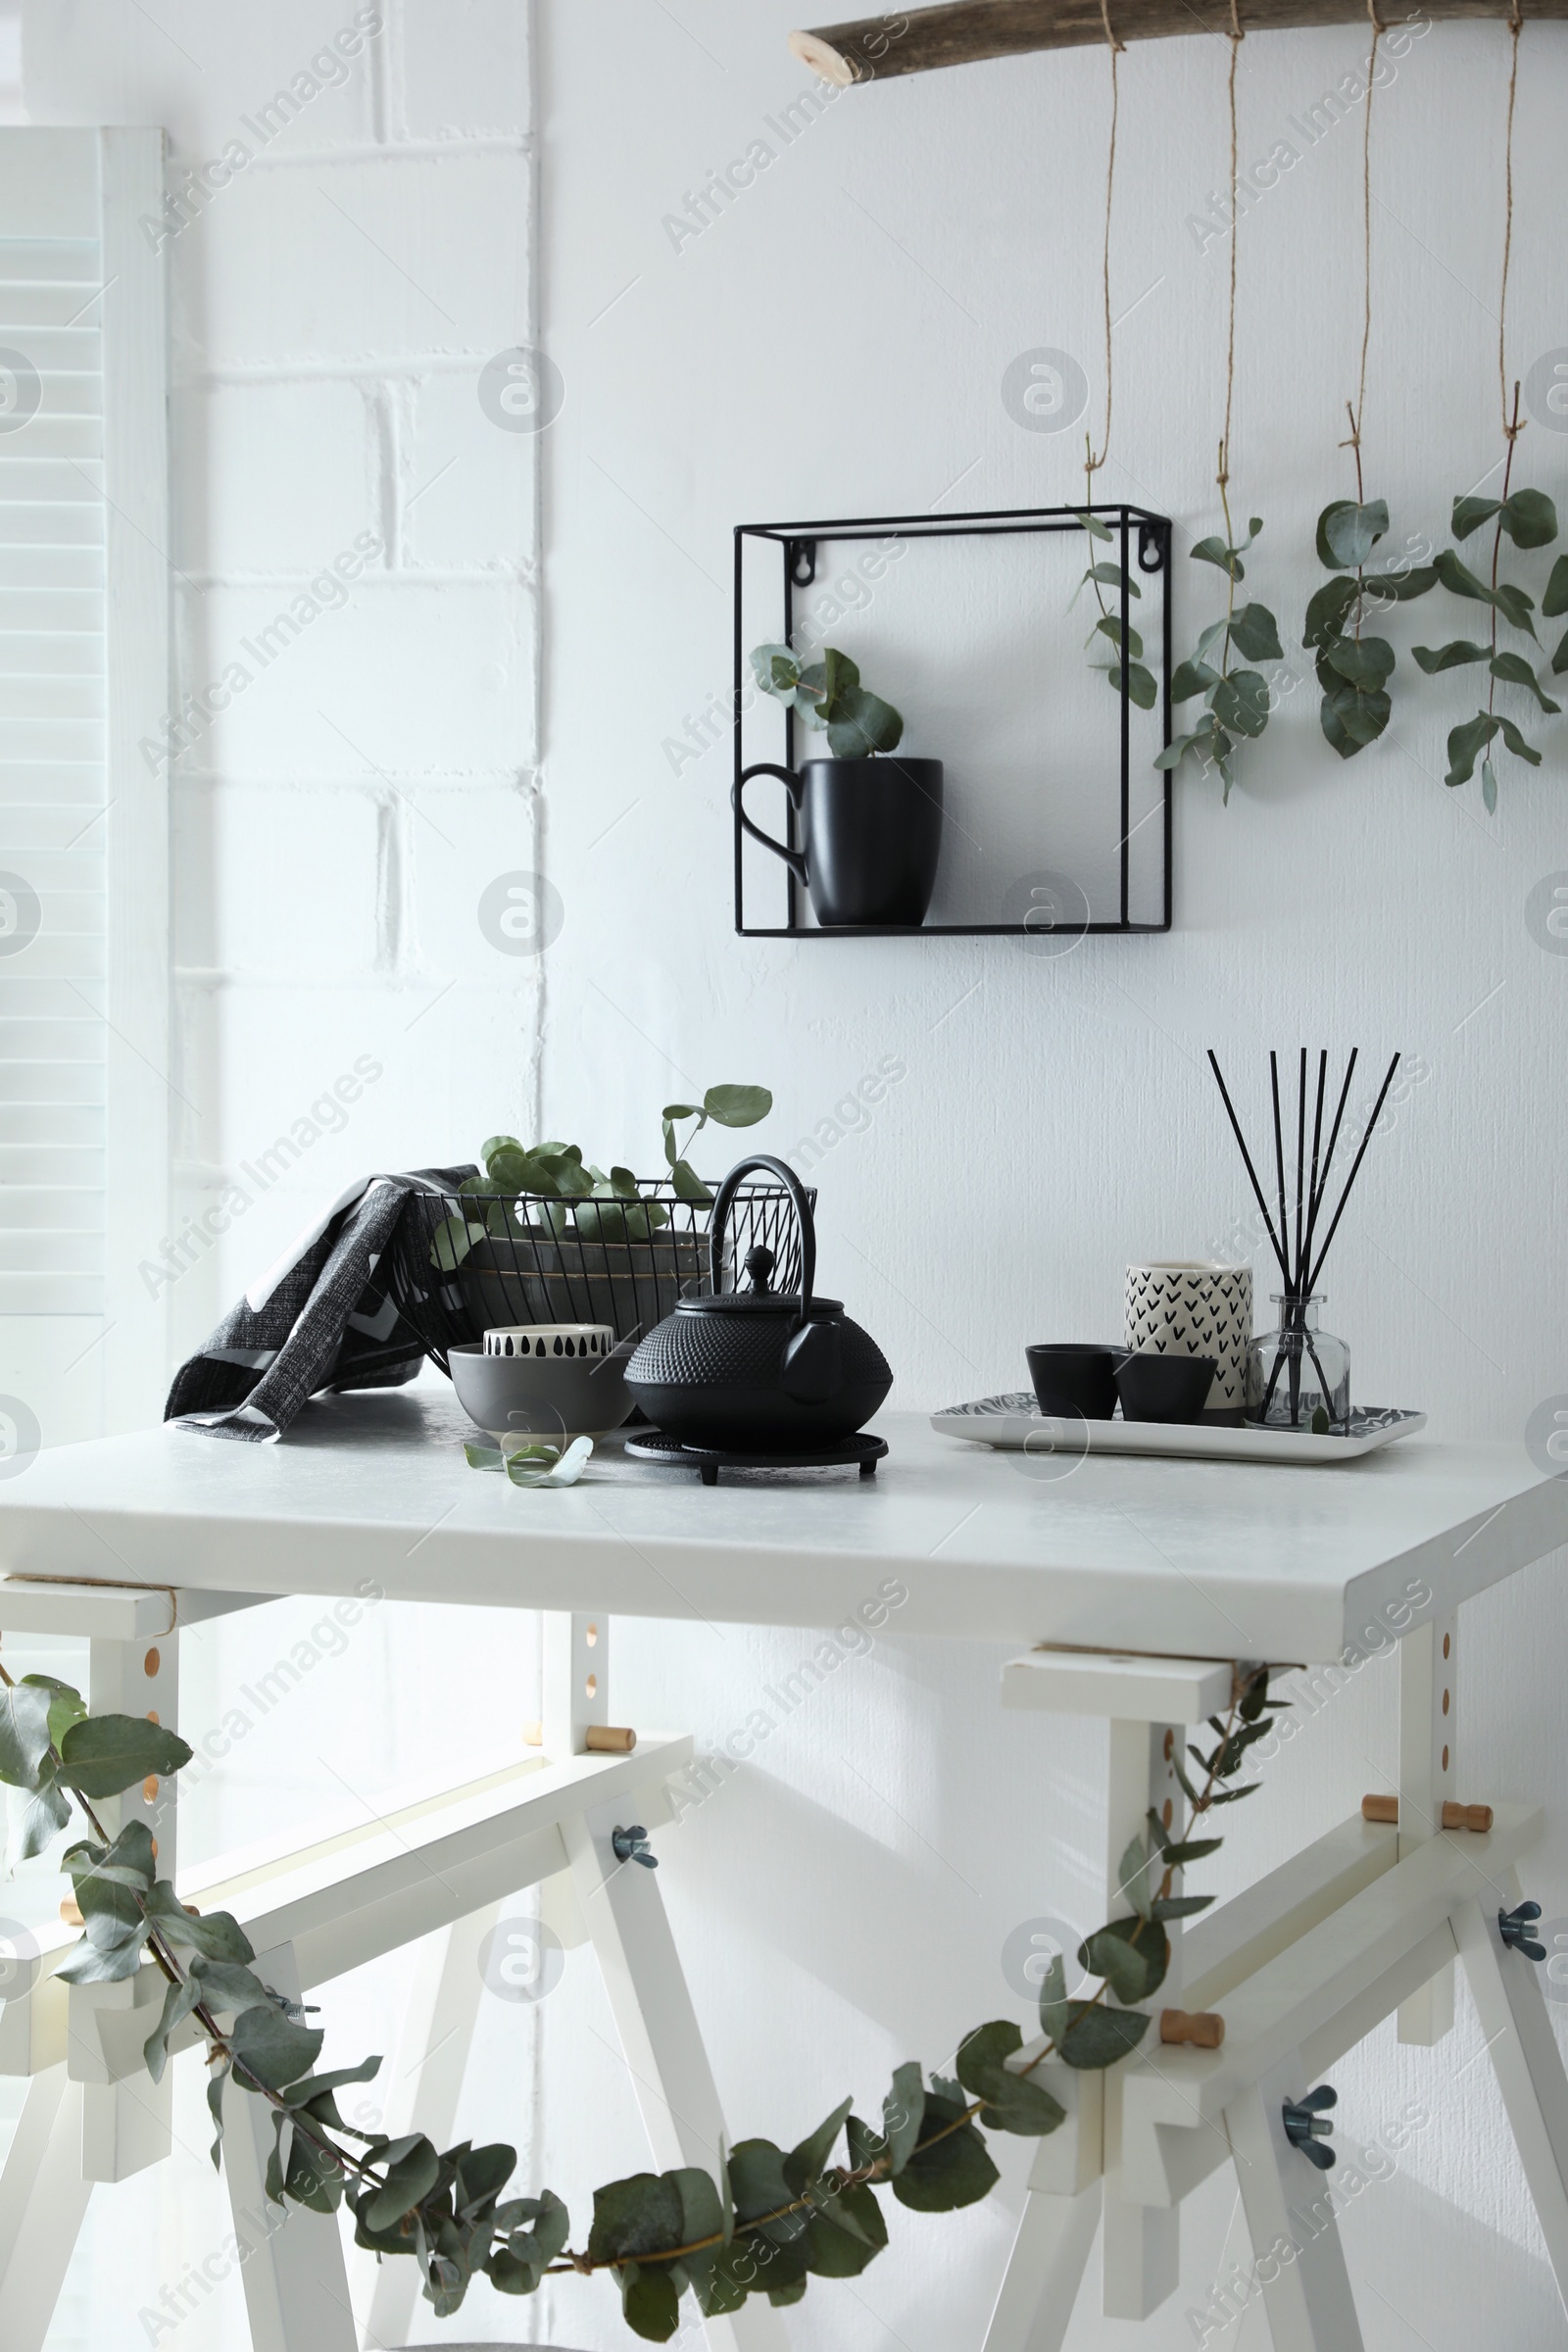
point(1207, 1559)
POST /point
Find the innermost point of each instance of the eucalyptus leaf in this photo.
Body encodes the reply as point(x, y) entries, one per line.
point(1189, 678)
point(178, 2002)
point(1346, 533)
point(1469, 513)
point(1109, 625)
point(1365, 662)
point(269, 2046)
point(903, 2111)
point(1255, 634)
point(216, 1935)
point(1181, 1906)
point(1130, 1954)
point(452, 1242)
point(1112, 575)
point(1053, 1998)
point(1489, 788)
point(1241, 703)
point(1530, 518)
point(949, 2173)
point(1517, 744)
point(1517, 672)
point(1098, 2037)
point(650, 2303)
point(1555, 600)
point(1328, 611)
point(1398, 587)
point(1466, 743)
point(728, 1106)
point(688, 1185)
point(1141, 685)
point(93, 1963)
point(1511, 602)
point(408, 2180)
point(805, 2162)
point(1215, 550)
point(862, 723)
point(1132, 1877)
point(25, 1734)
point(1450, 657)
point(1092, 524)
point(39, 1824)
point(1012, 2101)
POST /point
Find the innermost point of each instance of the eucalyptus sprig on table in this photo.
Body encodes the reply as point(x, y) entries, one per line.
point(1236, 702)
point(1530, 520)
point(1141, 685)
point(602, 1207)
point(768, 2223)
point(1353, 668)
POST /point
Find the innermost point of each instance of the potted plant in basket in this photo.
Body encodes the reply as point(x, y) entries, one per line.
point(871, 825)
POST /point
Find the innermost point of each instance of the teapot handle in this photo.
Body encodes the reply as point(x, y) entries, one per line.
point(802, 1212)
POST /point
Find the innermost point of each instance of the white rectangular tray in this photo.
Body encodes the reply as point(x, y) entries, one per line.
point(1016, 1424)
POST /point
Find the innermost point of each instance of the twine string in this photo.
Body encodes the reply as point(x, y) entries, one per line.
point(1355, 441)
point(1091, 463)
point(1511, 432)
point(1236, 36)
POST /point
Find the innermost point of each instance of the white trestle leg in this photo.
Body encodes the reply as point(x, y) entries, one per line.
point(1505, 1986)
point(1049, 2254)
point(422, 2091)
point(1290, 2218)
point(43, 2202)
point(1429, 1758)
point(296, 2282)
point(1141, 2244)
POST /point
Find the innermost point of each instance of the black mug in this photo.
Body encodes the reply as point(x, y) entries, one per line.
point(870, 836)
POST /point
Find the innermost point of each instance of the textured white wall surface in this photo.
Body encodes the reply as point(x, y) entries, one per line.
point(832, 338)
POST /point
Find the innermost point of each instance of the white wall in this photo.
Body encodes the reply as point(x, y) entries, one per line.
point(836, 342)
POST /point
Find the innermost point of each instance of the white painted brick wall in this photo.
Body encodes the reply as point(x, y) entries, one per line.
point(333, 306)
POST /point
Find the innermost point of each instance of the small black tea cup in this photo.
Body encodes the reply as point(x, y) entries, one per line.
point(1164, 1388)
point(1074, 1379)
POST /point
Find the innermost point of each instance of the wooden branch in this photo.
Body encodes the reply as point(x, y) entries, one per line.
point(961, 33)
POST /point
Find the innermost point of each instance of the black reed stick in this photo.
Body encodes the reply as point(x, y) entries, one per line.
point(1301, 1155)
point(1279, 1159)
point(1328, 1156)
point(1356, 1164)
point(1247, 1161)
point(1317, 1131)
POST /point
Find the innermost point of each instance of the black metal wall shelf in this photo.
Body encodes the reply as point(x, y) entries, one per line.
point(778, 565)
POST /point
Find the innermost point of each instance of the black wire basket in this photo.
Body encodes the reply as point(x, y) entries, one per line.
point(465, 1264)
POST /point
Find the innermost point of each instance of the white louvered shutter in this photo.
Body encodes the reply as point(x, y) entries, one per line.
point(85, 1086)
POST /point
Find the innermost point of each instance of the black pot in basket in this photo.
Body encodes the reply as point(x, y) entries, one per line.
point(759, 1370)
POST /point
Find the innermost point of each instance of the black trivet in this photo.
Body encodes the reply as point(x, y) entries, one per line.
point(711, 1459)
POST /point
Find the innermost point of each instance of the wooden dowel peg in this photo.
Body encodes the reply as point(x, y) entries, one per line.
point(70, 1912)
point(1454, 1817)
point(533, 1735)
point(1200, 2028)
point(607, 1739)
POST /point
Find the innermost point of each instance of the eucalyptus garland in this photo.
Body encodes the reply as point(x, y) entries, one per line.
point(773, 2217)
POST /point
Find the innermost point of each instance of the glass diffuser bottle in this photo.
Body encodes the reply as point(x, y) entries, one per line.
point(1299, 1377)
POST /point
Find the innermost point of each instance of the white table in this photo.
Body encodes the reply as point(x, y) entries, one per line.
point(1131, 1589)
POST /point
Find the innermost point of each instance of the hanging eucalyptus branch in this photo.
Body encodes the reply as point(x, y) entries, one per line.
point(1236, 702)
point(1126, 644)
point(771, 2219)
point(1530, 520)
point(1353, 668)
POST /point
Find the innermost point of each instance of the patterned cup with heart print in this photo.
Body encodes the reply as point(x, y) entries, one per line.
point(1194, 1307)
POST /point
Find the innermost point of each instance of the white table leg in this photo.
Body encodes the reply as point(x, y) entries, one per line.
point(1290, 2218)
point(423, 2087)
point(126, 2126)
point(1505, 1986)
point(1429, 1753)
point(296, 2283)
point(658, 2033)
point(43, 2202)
point(1141, 2247)
point(1040, 2287)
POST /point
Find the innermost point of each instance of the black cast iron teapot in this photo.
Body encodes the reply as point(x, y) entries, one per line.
point(760, 1369)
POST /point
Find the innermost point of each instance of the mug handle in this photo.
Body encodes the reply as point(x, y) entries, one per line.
point(793, 858)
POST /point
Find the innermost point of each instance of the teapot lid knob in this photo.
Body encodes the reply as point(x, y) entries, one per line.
point(759, 1265)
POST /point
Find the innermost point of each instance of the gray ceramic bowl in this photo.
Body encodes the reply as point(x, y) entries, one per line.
point(551, 1397)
